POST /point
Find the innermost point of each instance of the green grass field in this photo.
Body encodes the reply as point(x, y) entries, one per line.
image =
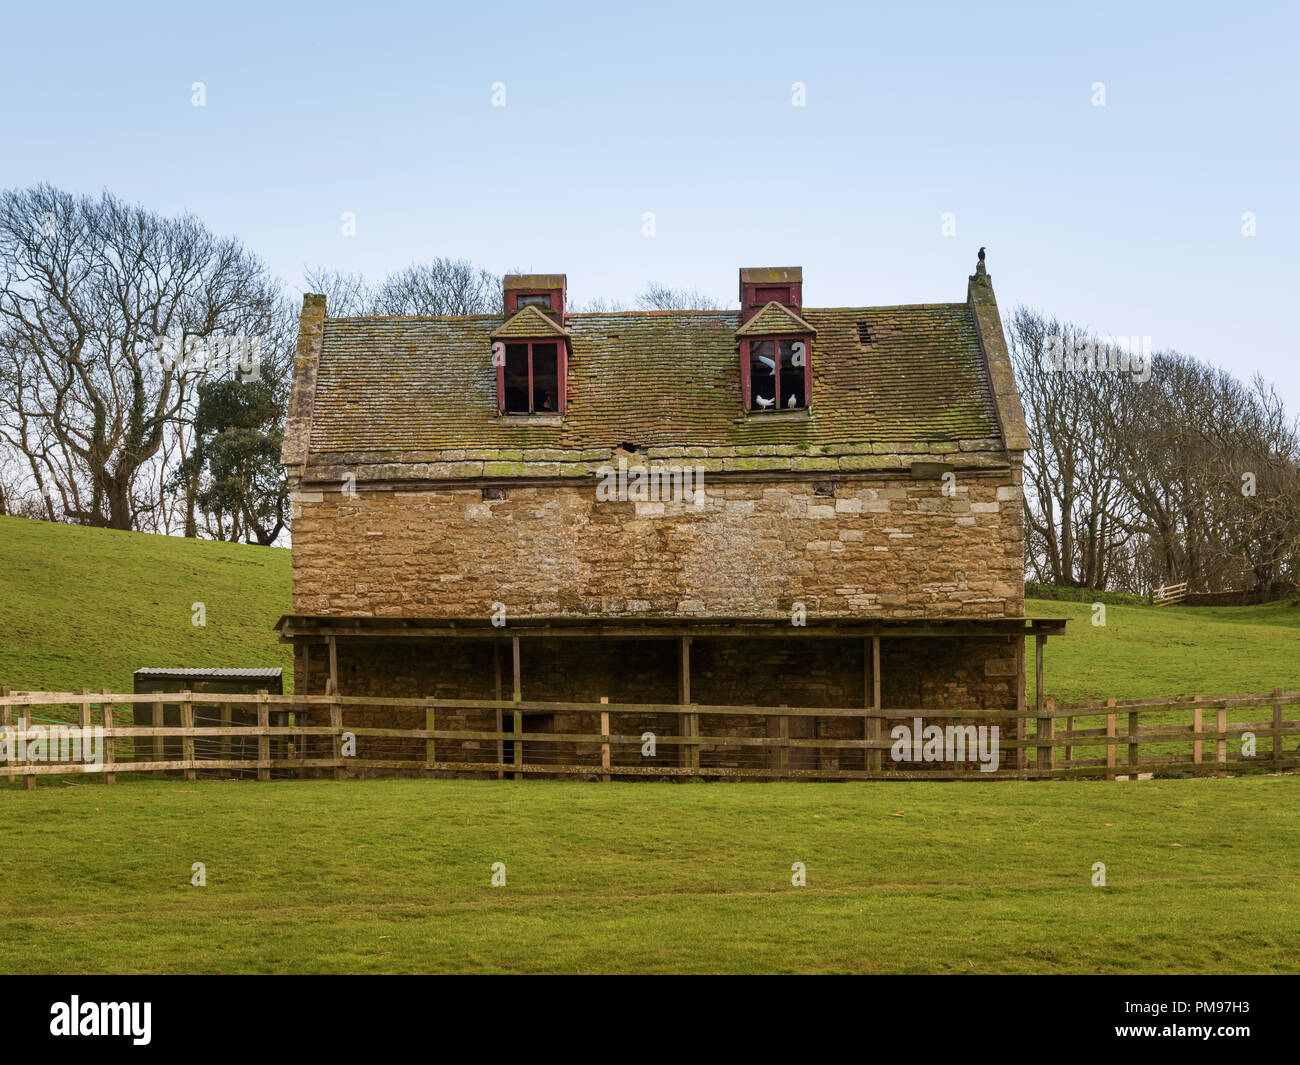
point(394, 875)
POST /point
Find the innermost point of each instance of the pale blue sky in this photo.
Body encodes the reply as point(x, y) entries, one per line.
point(1125, 218)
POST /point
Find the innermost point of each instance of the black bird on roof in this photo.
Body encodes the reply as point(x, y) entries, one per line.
point(981, 254)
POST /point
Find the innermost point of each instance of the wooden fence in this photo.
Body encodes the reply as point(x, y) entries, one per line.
point(1169, 593)
point(292, 735)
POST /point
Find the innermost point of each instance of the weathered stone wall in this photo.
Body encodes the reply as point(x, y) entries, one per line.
point(889, 546)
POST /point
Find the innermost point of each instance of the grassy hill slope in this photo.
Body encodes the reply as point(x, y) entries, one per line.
point(85, 607)
point(1144, 652)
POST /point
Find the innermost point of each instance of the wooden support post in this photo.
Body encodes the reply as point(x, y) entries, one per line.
point(1045, 759)
point(604, 737)
point(1133, 745)
point(516, 658)
point(1069, 747)
point(688, 722)
point(1022, 704)
point(501, 744)
point(334, 666)
point(1221, 726)
point(431, 745)
point(187, 742)
point(1110, 742)
point(875, 723)
point(1198, 721)
point(1277, 728)
point(263, 741)
point(110, 745)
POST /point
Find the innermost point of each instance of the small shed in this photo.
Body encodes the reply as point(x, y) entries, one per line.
point(149, 679)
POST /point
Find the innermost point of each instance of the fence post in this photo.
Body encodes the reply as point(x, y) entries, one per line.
point(604, 745)
point(1043, 727)
point(785, 744)
point(83, 714)
point(336, 723)
point(688, 724)
point(263, 740)
point(25, 722)
point(1110, 742)
point(1132, 744)
point(227, 741)
point(110, 745)
point(1277, 728)
point(1050, 707)
point(1069, 747)
point(430, 745)
point(1221, 726)
point(159, 745)
point(874, 723)
point(519, 741)
point(1022, 752)
point(1198, 720)
point(187, 741)
point(7, 722)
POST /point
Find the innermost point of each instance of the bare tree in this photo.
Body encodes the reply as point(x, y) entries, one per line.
point(346, 295)
point(441, 287)
point(92, 292)
point(1075, 507)
point(657, 297)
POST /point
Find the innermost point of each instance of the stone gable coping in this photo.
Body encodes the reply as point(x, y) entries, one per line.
point(306, 361)
point(993, 346)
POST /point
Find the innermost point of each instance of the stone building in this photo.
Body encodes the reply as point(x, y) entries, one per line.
point(781, 505)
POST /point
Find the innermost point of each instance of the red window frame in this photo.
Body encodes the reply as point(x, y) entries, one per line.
point(561, 370)
point(746, 385)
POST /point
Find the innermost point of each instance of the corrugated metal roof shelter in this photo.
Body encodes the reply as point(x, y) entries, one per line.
point(205, 673)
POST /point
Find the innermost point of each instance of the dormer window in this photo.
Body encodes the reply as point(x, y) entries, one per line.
point(530, 351)
point(530, 378)
point(779, 373)
point(775, 343)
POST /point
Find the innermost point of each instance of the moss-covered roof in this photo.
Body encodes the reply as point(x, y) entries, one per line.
point(652, 378)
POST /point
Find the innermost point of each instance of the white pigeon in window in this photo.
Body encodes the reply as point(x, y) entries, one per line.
point(790, 402)
point(764, 402)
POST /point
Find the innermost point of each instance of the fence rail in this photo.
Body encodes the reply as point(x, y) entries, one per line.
point(261, 735)
point(1169, 593)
